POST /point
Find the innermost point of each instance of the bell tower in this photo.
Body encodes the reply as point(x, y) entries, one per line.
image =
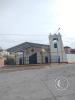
point(57, 53)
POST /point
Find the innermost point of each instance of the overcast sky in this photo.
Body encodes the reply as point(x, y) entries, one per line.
point(33, 20)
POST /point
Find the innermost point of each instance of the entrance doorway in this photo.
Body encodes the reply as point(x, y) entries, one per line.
point(20, 61)
point(33, 59)
point(46, 59)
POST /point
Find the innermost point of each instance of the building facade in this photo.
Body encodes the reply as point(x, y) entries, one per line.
point(31, 53)
point(70, 53)
point(34, 53)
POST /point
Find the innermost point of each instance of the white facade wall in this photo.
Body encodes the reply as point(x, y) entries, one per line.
point(38, 58)
point(28, 52)
point(71, 58)
point(18, 56)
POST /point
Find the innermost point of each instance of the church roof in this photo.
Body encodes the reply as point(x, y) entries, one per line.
point(23, 46)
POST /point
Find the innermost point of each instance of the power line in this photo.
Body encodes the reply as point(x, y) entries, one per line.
point(24, 34)
point(20, 35)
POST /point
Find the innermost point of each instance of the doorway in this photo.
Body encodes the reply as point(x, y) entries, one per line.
point(46, 59)
point(20, 61)
point(33, 59)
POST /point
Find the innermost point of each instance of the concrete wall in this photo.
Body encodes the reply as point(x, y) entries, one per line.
point(1, 61)
point(71, 58)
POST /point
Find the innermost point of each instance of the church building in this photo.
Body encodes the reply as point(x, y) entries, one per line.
point(34, 53)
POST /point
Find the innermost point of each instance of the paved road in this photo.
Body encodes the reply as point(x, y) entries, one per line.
point(39, 84)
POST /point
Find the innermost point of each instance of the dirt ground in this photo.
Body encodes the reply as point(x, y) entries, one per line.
point(38, 82)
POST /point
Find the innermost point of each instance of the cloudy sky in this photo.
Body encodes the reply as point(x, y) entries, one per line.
point(33, 20)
